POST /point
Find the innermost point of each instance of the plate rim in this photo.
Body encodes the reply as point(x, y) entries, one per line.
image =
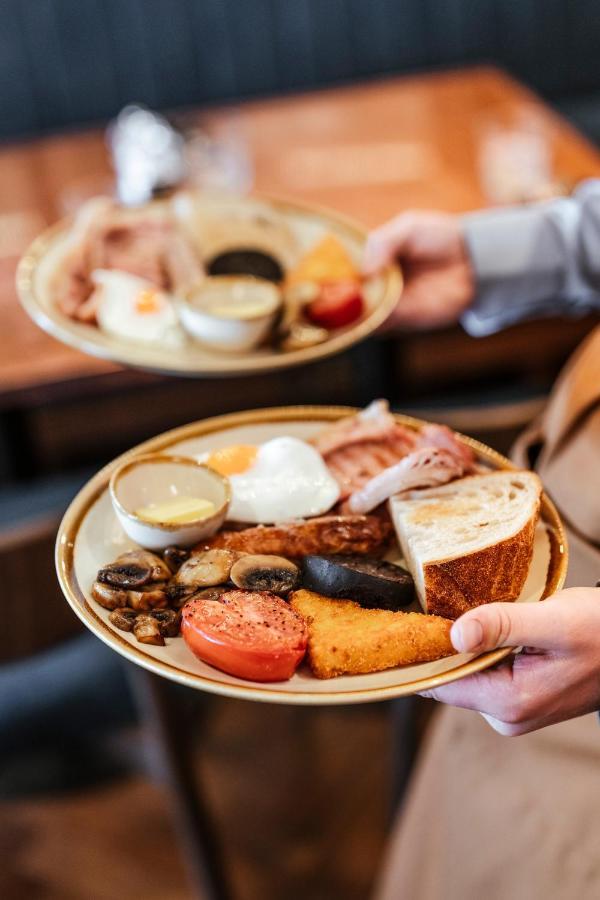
point(66, 330)
point(94, 488)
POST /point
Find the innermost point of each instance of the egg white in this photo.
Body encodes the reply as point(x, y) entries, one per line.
point(288, 480)
point(118, 293)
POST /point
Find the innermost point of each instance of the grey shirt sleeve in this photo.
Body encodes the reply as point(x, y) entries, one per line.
point(536, 260)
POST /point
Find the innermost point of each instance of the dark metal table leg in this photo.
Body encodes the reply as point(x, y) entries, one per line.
point(160, 710)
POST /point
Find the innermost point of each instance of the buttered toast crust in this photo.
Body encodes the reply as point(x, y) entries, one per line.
point(496, 573)
point(345, 639)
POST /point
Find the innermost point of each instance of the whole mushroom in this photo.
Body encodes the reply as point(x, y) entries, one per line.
point(260, 572)
point(206, 569)
point(147, 630)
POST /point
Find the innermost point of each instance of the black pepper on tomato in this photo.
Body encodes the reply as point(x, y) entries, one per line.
point(249, 634)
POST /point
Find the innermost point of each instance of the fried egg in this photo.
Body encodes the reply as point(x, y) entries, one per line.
point(132, 308)
point(283, 479)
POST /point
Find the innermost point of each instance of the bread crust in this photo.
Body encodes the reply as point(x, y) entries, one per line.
point(496, 573)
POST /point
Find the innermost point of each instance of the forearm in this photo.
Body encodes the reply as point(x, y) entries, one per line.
point(534, 260)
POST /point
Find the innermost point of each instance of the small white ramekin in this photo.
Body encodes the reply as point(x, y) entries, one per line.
point(155, 478)
point(227, 333)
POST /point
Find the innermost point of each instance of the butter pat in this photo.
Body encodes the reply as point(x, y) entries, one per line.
point(177, 511)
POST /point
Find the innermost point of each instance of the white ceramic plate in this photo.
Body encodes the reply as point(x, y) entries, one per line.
point(90, 536)
point(307, 225)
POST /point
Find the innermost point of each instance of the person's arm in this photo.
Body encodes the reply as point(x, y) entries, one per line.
point(556, 676)
point(490, 269)
point(537, 260)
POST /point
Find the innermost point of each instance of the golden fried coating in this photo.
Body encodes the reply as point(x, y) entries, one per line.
point(345, 639)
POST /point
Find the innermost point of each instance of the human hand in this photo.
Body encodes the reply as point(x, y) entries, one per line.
point(557, 675)
point(438, 276)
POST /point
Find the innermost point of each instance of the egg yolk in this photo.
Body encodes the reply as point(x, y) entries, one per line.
point(233, 460)
point(147, 302)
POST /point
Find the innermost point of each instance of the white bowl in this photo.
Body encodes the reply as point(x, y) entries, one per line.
point(232, 313)
point(156, 478)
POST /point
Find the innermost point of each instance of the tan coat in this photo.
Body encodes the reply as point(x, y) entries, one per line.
point(491, 818)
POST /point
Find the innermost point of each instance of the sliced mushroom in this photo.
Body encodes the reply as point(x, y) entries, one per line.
point(123, 618)
point(168, 621)
point(257, 572)
point(125, 575)
point(160, 570)
point(209, 593)
point(147, 631)
point(206, 569)
point(107, 596)
point(151, 598)
point(175, 557)
point(178, 594)
point(134, 569)
point(300, 336)
point(295, 298)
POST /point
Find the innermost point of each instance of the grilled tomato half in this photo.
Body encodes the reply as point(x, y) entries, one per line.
point(249, 634)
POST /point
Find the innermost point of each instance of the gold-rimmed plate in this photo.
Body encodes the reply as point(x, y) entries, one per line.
point(90, 536)
point(306, 223)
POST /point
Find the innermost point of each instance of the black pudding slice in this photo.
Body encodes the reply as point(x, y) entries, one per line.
point(246, 262)
point(373, 583)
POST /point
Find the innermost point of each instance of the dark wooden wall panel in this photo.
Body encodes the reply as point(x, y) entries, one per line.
point(294, 44)
point(69, 62)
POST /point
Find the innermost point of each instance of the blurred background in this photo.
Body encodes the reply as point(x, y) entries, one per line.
point(365, 107)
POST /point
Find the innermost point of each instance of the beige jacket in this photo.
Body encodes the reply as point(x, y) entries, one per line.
point(517, 820)
point(563, 446)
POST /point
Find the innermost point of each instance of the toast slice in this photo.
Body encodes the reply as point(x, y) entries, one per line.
point(345, 639)
point(471, 541)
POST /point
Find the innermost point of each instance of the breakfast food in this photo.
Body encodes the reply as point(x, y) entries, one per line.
point(299, 335)
point(304, 552)
point(422, 468)
point(253, 635)
point(134, 584)
point(362, 451)
point(247, 262)
point(284, 478)
point(471, 541)
point(133, 570)
point(144, 242)
point(204, 569)
point(345, 639)
point(229, 274)
point(373, 583)
point(264, 573)
point(325, 263)
point(153, 627)
point(178, 511)
point(232, 314)
point(134, 309)
point(375, 423)
point(234, 237)
point(162, 500)
point(326, 285)
point(365, 535)
point(337, 305)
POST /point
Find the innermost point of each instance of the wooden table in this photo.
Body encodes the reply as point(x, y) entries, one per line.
point(367, 150)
